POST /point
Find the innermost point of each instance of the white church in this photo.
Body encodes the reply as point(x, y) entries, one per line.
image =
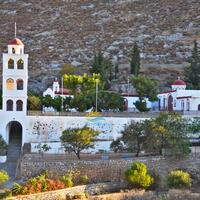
point(18, 128)
point(179, 98)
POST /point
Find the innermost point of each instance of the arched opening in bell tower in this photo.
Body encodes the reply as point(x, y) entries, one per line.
point(10, 64)
point(20, 84)
point(20, 64)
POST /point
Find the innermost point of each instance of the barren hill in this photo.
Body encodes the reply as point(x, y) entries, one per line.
point(59, 31)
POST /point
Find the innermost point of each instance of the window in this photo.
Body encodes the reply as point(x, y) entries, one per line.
point(10, 64)
point(20, 64)
point(20, 83)
point(19, 105)
point(174, 102)
point(13, 50)
point(182, 105)
point(9, 105)
point(10, 84)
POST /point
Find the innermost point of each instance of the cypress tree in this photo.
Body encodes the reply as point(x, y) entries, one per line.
point(135, 60)
point(192, 72)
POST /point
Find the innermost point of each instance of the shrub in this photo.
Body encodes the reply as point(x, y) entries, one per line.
point(18, 189)
point(42, 148)
point(67, 179)
point(84, 179)
point(179, 179)
point(157, 180)
point(54, 184)
point(6, 194)
point(37, 184)
point(3, 146)
point(4, 177)
point(137, 176)
point(42, 181)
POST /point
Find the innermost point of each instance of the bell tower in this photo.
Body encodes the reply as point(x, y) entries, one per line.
point(15, 78)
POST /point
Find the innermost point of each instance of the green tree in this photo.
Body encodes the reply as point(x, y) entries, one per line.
point(97, 63)
point(78, 139)
point(34, 103)
point(168, 132)
point(104, 67)
point(82, 83)
point(81, 102)
point(67, 68)
point(138, 177)
point(47, 101)
point(135, 60)
point(56, 103)
point(192, 72)
point(117, 145)
point(107, 101)
point(116, 70)
point(3, 146)
point(133, 136)
point(145, 87)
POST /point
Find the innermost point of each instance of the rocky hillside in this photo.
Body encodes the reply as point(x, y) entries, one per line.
point(59, 31)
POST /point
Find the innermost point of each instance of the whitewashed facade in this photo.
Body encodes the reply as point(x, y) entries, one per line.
point(179, 98)
point(15, 79)
point(130, 100)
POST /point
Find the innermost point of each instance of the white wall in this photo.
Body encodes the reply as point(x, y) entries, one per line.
point(48, 129)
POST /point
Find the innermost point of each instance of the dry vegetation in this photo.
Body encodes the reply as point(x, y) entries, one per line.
point(55, 32)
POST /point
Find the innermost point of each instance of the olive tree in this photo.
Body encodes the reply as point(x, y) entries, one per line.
point(78, 139)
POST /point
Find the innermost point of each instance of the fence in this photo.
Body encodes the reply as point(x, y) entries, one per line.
point(103, 114)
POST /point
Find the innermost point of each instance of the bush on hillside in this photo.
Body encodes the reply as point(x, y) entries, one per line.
point(68, 179)
point(84, 180)
point(137, 176)
point(37, 184)
point(179, 179)
point(4, 177)
point(3, 146)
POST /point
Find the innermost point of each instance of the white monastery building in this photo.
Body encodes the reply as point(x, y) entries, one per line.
point(130, 100)
point(179, 98)
point(56, 90)
point(22, 130)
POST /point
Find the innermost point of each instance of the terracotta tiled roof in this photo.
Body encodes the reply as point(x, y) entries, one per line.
point(15, 41)
point(179, 82)
point(63, 91)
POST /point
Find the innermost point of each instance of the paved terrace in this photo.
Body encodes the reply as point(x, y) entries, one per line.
point(112, 114)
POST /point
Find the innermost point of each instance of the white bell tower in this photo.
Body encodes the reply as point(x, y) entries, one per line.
point(15, 78)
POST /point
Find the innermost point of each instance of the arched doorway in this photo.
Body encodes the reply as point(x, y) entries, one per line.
point(170, 103)
point(14, 134)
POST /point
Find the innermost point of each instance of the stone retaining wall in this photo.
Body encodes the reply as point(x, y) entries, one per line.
point(61, 194)
point(107, 170)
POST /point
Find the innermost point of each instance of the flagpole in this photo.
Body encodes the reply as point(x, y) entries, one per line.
point(15, 30)
point(96, 95)
point(62, 94)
